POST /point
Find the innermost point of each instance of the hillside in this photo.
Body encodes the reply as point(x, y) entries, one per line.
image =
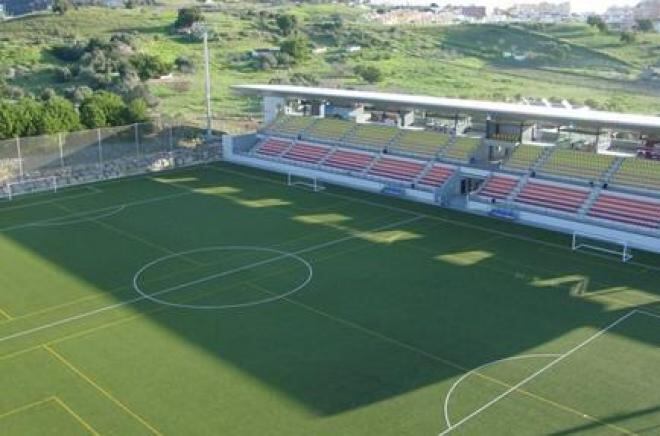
point(572, 62)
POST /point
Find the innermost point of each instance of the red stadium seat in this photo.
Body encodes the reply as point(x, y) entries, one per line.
point(437, 176)
point(397, 169)
point(558, 197)
point(306, 153)
point(627, 210)
point(498, 187)
point(273, 147)
point(349, 160)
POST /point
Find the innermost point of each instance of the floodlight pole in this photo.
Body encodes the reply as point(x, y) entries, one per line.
point(207, 67)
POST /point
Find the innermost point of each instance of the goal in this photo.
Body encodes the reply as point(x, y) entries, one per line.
point(307, 182)
point(28, 186)
point(603, 244)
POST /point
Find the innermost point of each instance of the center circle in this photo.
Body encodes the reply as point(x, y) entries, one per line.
point(277, 256)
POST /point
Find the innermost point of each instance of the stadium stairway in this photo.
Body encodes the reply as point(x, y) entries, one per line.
point(626, 209)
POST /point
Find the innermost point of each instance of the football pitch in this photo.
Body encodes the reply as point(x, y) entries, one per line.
point(219, 300)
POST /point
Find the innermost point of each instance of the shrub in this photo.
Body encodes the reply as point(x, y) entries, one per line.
point(136, 111)
point(297, 47)
point(149, 66)
point(369, 73)
point(58, 115)
point(188, 16)
point(102, 109)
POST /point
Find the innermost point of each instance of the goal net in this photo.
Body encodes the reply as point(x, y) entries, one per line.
point(28, 186)
point(585, 241)
point(307, 182)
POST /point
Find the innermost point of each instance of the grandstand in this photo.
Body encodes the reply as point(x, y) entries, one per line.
point(524, 157)
point(638, 173)
point(289, 125)
point(420, 143)
point(461, 149)
point(565, 184)
point(371, 136)
point(577, 165)
point(327, 130)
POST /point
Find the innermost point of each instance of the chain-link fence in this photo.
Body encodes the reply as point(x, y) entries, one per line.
point(100, 154)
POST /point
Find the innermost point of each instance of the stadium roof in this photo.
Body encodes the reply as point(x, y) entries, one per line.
point(510, 111)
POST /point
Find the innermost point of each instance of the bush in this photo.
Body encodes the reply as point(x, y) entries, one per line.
point(184, 64)
point(188, 16)
point(68, 53)
point(297, 47)
point(136, 111)
point(369, 73)
point(149, 66)
point(58, 115)
point(103, 109)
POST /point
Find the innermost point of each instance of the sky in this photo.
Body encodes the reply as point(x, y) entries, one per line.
point(577, 5)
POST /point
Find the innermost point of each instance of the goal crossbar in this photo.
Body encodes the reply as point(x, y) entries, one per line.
point(602, 244)
point(308, 182)
point(28, 186)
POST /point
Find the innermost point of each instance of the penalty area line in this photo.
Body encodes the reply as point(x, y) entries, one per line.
point(531, 377)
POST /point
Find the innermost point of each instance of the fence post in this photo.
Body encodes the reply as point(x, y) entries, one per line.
point(20, 156)
point(61, 145)
point(137, 139)
point(171, 139)
point(98, 137)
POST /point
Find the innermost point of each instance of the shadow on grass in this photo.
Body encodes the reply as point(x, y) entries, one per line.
point(388, 312)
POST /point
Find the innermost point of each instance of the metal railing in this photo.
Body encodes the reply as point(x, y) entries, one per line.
point(99, 154)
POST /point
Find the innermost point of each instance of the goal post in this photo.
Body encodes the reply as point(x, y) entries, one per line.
point(307, 182)
point(31, 185)
point(603, 244)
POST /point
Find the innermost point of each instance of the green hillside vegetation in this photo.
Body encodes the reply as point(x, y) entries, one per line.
point(573, 62)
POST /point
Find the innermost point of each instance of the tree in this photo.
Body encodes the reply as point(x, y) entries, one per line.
point(188, 16)
point(286, 23)
point(369, 73)
point(645, 25)
point(596, 21)
point(58, 115)
point(628, 37)
point(61, 6)
point(296, 47)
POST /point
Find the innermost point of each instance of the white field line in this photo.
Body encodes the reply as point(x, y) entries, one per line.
point(647, 313)
point(85, 218)
point(92, 191)
point(486, 365)
point(180, 286)
point(539, 372)
point(86, 213)
point(442, 219)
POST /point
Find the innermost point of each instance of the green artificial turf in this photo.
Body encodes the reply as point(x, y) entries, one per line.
point(398, 303)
